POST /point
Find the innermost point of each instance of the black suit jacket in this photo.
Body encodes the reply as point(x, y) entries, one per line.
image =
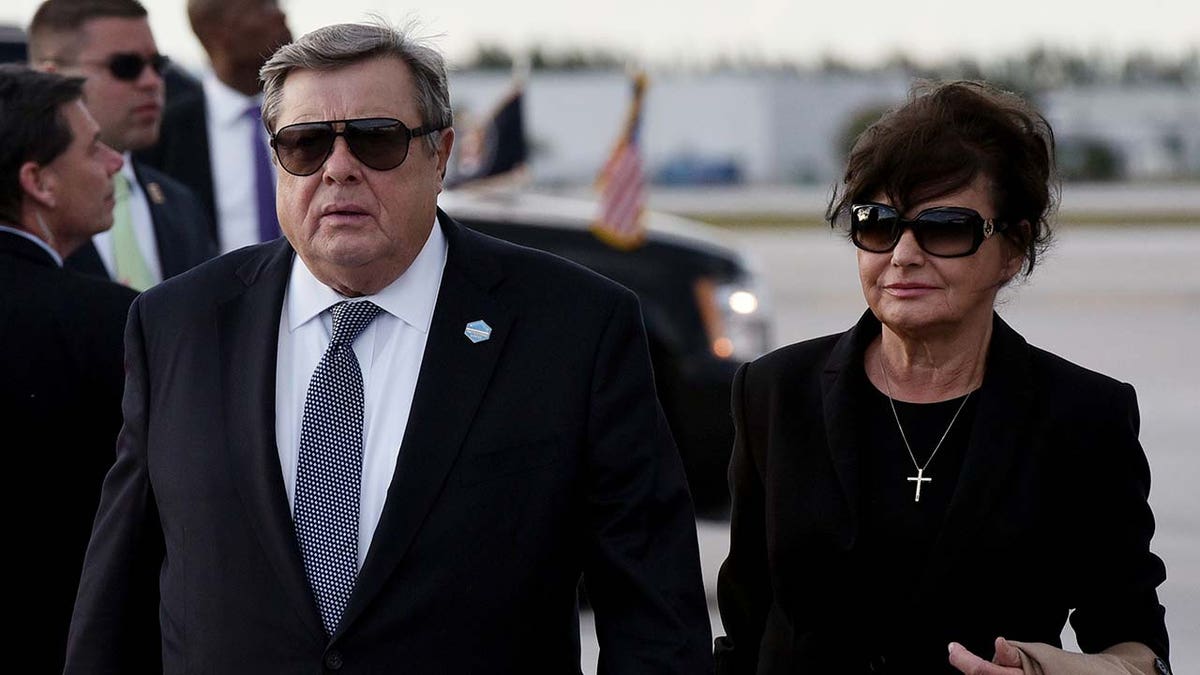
point(1049, 515)
point(182, 149)
point(61, 374)
point(529, 458)
point(182, 228)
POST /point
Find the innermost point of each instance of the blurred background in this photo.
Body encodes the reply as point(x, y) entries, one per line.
point(749, 110)
point(772, 92)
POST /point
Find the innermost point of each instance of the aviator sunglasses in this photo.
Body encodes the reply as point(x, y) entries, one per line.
point(129, 66)
point(944, 231)
point(380, 143)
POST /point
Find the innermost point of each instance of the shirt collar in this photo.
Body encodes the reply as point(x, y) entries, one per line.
point(127, 170)
point(37, 240)
point(226, 105)
point(410, 298)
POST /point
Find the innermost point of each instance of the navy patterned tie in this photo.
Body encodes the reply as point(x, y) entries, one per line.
point(330, 466)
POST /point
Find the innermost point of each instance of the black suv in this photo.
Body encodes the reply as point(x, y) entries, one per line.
point(701, 304)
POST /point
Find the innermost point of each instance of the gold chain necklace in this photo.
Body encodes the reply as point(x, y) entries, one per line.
point(920, 477)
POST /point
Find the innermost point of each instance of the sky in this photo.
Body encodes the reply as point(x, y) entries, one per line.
point(696, 31)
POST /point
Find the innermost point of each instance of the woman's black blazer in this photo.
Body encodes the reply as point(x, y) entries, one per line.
point(1050, 516)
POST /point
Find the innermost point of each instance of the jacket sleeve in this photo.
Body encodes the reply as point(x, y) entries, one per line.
point(1115, 585)
point(642, 563)
point(114, 627)
point(743, 586)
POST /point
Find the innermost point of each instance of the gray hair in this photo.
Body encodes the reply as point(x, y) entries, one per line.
point(345, 44)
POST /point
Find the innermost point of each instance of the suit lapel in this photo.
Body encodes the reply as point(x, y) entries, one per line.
point(248, 334)
point(998, 434)
point(841, 405)
point(453, 378)
point(170, 251)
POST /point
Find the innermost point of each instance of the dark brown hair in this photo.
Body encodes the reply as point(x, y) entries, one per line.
point(32, 125)
point(944, 137)
point(57, 17)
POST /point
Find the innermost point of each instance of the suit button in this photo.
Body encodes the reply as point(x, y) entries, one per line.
point(333, 660)
point(877, 664)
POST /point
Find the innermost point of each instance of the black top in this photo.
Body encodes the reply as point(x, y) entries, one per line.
point(833, 569)
point(898, 532)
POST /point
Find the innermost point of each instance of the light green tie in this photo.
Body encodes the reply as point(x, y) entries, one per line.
point(131, 266)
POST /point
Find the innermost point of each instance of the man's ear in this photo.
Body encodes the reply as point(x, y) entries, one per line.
point(444, 145)
point(38, 183)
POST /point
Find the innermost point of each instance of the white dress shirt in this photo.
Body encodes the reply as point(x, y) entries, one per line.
point(232, 164)
point(37, 240)
point(143, 229)
point(389, 351)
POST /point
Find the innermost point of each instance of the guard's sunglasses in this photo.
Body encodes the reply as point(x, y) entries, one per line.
point(380, 143)
point(944, 231)
point(129, 66)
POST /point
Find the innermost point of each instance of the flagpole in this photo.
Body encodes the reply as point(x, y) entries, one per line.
point(522, 68)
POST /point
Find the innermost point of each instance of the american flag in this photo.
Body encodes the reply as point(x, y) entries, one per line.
point(622, 183)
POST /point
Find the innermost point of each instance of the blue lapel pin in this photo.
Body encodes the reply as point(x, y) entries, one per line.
point(478, 331)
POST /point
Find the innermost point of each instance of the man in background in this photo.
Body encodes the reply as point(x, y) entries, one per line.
point(159, 227)
point(213, 138)
point(61, 366)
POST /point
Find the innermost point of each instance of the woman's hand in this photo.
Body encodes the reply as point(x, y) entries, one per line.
point(1007, 660)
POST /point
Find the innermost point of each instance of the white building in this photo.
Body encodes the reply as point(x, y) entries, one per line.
point(1154, 129)
point(777, 128)
point(785, 128)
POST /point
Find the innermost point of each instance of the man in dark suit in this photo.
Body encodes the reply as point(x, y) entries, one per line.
point(60, 349)
point(212, 139)
point(160, 228)
point(387, 443)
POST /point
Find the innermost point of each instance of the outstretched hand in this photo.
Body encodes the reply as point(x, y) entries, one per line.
point(1007, 660)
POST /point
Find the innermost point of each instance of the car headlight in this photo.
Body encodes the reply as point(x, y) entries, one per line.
point(735, 317)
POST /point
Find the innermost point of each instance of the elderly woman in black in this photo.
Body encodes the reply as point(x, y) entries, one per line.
point(928, 482)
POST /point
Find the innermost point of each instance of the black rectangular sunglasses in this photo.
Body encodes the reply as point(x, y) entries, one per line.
point(380, 143)
point(129, 66)
point(943, 231)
